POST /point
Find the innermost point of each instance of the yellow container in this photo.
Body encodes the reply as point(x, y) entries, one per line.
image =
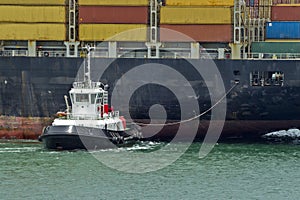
point(200, 2)
point(114, 2)
point(113, 32)
point(20, 31)
point(196, 15)
point(33, 2)
point(291, 4)
point(30, 14)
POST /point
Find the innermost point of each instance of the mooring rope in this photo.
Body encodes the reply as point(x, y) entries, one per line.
point(195, 117)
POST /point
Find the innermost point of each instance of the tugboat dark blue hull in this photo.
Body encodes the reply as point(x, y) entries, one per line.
point(76, 138)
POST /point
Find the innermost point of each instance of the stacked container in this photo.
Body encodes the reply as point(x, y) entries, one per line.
point(33, 20)
point(283, 32)
point(118, 20)
point(276, 2)
point(258, 9)
point(276, 47)
point(202, 21)
point(286, 12)
point(285, 22)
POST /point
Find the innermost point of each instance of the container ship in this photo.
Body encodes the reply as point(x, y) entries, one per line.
point(253, 44)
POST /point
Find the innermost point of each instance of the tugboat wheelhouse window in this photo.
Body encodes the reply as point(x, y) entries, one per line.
point(99, 98)
point(82, 98)
point(93, 97)
point(267, 78)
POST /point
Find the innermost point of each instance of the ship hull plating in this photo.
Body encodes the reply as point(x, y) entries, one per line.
point(33, 87)
point(76, 137)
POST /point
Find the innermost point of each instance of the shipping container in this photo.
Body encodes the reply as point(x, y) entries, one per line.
point(258, 9)
point(275, 47)
point(200, 33)
point(281, 40)
point(113, 32)
point(33, 2)
point(199, 2)
point(285, 13)
point(36, 31)
point(282, 2)
point(30, 14)
point(283, 30)
point(114, 2)
point(257, 3)
point(196, 15)
point(113, 14)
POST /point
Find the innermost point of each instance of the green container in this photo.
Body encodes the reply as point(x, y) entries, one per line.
point(275, 47)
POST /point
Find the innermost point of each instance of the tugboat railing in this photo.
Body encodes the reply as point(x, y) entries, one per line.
point(83, 117)
point(92, 117)
point(81, 85)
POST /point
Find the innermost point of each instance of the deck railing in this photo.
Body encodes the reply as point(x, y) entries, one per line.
point(92, 117)
point(168, 54)
point(281, 56)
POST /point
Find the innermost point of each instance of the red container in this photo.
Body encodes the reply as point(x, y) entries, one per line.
point(275, 2)
point(285, 13)
point(113, 14)
point(200, 33)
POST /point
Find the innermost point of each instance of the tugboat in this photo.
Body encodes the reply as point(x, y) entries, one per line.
point(89, 123)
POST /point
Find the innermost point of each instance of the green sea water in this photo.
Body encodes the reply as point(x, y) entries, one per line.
point(230, 171)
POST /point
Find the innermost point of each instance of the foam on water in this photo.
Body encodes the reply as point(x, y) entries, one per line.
point(144, 146)
point(19, 146)
point(18, 150)
point(283, 136)
point(137, 147)
point(291, 133)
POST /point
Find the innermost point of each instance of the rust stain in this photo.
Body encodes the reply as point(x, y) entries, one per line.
point(22, 127)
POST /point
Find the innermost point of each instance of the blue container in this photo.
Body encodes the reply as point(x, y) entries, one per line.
point(283, 30)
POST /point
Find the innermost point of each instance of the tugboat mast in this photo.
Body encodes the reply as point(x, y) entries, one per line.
point(87, 68)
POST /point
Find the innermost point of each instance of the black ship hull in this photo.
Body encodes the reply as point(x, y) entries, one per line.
point(75, 138)
point(255, 104)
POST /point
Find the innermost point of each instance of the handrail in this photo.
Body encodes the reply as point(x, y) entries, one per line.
point(274, 56)
point(91, 117)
